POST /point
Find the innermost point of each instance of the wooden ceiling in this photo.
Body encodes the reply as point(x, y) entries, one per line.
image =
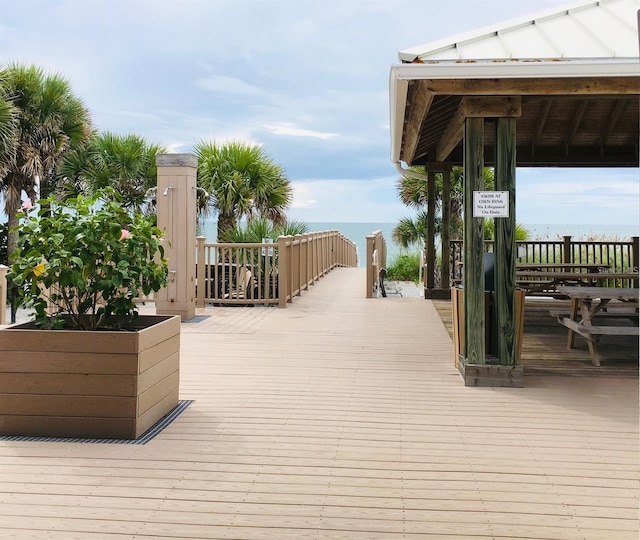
point(565, 122)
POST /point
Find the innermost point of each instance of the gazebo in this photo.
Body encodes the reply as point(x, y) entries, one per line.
point(559, 89)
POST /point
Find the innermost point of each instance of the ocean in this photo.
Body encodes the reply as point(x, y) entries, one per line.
point(546, 231)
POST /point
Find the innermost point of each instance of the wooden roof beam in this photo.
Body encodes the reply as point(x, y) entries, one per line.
point(421, 100)
point(565, 86)
point(475, 107)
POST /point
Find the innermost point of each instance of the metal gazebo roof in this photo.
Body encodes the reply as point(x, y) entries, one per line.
point(573, 74)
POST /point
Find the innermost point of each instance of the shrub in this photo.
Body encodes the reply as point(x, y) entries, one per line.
point(405, 267)
point(84, 263)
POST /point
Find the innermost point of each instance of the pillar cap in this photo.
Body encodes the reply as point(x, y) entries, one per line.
point(176, 160)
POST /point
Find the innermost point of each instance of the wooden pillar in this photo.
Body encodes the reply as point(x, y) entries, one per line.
point(176, 200)
point(446, 229)
point(505, 244)
point(431, 229)
point(474, 326)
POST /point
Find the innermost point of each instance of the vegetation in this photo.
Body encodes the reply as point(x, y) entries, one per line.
point(8, 127)
point(241, 182)
point(87, 262)
point(405, 267)
point(48, 121)
point(124, 163)
point(258, 228)
point(412, 192)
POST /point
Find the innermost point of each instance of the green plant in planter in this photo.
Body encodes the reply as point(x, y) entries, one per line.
point(81, 264)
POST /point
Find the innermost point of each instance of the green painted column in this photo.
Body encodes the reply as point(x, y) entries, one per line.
point(431, 229)
point(474, 326)
point(505, 244)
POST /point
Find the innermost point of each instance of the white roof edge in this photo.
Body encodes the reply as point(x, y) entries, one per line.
point(410, 54)
point(508, 69)
point(400, 74)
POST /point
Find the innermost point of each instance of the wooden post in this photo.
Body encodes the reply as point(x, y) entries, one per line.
point(474, 320)
point(567, 256)
point(200, 274)
point(431, 229)
point(446, 229)
point(284, 279)
point(371, 267)
point(505, 244)
point(176, 199)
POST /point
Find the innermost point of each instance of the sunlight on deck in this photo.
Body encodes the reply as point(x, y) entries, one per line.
point(342, 417)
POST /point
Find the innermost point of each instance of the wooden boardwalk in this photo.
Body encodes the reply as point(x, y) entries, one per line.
point(342, 417)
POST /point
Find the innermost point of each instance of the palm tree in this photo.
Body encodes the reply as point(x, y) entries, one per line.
point(258, 228)
point(50, 121)
point(242, 181)
point(411, 232)
point(125, 163)
point(412, 192)
point(8, 128)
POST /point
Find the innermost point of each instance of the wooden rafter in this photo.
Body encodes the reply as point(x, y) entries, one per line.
point(420, 103)
point(575, 123)
point(475, 107)
point(618, 110)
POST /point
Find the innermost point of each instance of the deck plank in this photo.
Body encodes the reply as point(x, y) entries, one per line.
point(342, 417)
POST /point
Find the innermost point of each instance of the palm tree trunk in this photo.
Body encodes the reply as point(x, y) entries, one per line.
point(12, 234)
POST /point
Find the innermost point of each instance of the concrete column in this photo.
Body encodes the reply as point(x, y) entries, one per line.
point(176, 201)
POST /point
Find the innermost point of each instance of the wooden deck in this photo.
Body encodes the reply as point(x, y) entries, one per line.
point(342, 417)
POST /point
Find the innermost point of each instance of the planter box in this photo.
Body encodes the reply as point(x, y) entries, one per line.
point(98, 384)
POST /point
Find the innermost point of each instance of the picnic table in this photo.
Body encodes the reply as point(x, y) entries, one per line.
point(590, 305)
point(547, 278)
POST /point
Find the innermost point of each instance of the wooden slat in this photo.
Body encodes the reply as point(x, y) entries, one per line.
point(344, 417)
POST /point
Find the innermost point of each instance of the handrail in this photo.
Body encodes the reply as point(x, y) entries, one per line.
point(279, 271)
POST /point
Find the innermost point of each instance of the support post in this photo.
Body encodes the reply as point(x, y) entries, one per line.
point(176, 200)
point(201, 273)
point(505, 244)
point(474, 320)
point(445, 234)
point(431, 229)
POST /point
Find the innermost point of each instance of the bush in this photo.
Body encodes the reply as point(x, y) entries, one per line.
point(405, 267)
point(87, 261)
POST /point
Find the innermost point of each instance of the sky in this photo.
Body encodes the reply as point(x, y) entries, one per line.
point(307, 79)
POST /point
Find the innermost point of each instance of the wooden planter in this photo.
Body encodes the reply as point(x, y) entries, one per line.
point(99, 384)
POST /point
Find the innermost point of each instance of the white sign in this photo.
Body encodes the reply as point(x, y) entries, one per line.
point(490, 204)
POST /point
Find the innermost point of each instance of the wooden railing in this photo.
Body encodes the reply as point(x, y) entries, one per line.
point(620, 257)
point(376, 260)
point(268, 273)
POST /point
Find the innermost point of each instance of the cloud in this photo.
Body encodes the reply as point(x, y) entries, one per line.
point(347, 200)
point(229, 85)
point(289, 129)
